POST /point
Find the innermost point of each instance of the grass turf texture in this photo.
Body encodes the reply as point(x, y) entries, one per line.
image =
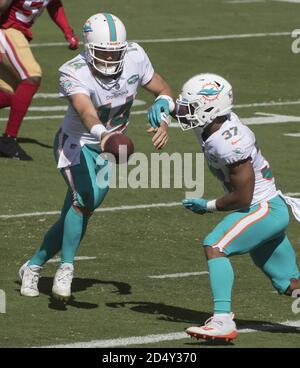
point(113, 297)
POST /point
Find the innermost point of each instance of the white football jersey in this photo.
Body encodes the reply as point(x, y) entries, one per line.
point(234, 142)
point(112, 100)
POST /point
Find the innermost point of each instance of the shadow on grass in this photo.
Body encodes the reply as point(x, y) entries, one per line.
point(33, 141)
point(170, 313)
point(78, 284)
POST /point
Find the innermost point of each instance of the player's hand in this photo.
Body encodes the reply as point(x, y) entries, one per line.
point(160, 136)
point(104, 138)
point(197, 205)
point(72, 40)
point(154, 113)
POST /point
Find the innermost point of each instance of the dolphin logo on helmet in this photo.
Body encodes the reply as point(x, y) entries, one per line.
point(203, 98)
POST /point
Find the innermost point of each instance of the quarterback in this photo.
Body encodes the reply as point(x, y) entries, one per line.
point(20, 74)
point(259, 215)
point(100, 85)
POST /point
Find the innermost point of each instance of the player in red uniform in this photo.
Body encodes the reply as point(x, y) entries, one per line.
point(20, 74)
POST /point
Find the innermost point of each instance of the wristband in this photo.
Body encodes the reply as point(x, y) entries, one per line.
point(166, 119)
point(97, 131)
point(170, 101)
point(211, 205)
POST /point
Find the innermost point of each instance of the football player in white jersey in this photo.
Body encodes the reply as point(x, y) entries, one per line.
point(100, 84)
point(259, 215)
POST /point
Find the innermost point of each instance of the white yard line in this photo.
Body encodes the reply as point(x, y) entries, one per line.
point(140, 103)
point(152, 339)
point(48, 96)
point(259, 1)
point(216, 37)
point(260, 119)
point(134, 340)
point(288, 1)
point(40, 117)
point(184, 39)
point(179, 275)
point(60, 117)
point(107, 209)
point(81, 258)
point(243, 1)
point(48, 108)
point(50, 44)
point(297, 135)
point(268, 104)
point(142, 112)
point(65, 107)
point(37, 96)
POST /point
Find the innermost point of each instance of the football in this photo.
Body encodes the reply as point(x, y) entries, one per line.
point(120, 146)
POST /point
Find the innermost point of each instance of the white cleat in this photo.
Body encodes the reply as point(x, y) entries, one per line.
point(61, 289)
point(21, 270)
point(29, 277)
point(218, 327)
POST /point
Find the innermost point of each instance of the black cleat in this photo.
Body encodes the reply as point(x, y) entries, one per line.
point(9, 147)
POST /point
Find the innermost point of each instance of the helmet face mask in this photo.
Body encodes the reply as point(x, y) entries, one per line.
point(107, 61)
point(203, 98)
point(185, 113)
point(105, 44)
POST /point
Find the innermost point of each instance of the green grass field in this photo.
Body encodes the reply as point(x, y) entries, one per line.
point(113, 297)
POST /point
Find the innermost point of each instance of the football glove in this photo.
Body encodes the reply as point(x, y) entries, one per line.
point(197, 205)
point(161, 105)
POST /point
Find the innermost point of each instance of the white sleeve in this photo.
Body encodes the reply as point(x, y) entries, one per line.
point(147, 70)
point(70, 85)
point(232, 151)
